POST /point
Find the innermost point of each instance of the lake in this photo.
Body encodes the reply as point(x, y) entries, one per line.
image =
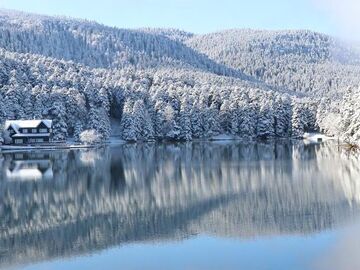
point(280, 205)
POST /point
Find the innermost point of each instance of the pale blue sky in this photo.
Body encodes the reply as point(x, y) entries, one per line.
point(199, 16)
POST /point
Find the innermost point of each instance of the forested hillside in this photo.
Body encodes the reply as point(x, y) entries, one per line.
point(169, 84)
point(301, 61)
point(99, 46)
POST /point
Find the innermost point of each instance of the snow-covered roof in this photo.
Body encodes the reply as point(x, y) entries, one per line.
point(17, 124)
point(30, 135)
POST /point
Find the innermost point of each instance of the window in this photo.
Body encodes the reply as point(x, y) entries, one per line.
point(19, 141)
point(43, 130)
point(25, 130)
point(34, 130)
point(40, 140)
point(32, 140)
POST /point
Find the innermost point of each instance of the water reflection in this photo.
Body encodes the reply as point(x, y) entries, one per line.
point(27, 166)
point(79, 201)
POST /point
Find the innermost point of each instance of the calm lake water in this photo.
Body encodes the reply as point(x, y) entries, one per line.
point(181, 206)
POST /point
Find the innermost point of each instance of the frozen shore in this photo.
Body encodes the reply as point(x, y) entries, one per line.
point(70, 144)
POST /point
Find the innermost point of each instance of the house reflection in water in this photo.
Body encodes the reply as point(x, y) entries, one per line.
point(28, 167)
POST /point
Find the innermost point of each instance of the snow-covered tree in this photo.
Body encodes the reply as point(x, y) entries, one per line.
point(90, 137)
point(128, 128)
point(58, 115)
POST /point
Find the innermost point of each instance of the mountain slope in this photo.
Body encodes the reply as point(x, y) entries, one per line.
point(99, 46)
point(302, 61)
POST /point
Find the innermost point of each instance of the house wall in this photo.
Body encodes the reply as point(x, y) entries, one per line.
point(30, 140)
point(35, 130)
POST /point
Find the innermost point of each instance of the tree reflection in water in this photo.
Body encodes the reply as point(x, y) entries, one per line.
point(82, 201)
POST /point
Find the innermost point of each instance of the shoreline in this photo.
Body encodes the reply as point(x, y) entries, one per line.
point(56, 146)
point(116, 141)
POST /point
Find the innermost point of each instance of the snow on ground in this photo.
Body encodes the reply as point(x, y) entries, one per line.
point(224, 137)
point(316, 138)
point(70, 144)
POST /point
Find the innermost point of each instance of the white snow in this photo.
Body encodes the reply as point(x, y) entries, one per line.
point(16, 124)
point(223, 137)
point(316, 138)
point(21, 135)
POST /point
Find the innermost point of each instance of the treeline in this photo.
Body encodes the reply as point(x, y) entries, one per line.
point(173, 104)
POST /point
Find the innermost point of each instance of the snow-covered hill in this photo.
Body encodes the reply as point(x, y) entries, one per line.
point(99, 46)
point(170, 84)
point(302, 61)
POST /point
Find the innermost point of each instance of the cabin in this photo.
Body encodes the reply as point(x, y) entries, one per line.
point(29, 131)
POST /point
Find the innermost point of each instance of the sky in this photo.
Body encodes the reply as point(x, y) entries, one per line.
point(204, 16)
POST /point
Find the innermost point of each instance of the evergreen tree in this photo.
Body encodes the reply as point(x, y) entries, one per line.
point(297, 122)
point(128, 129)
point(58, 115)
point(185, 120)
point(265, 123)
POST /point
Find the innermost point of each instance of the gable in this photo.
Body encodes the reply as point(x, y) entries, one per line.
point(11, 128)
point(47, 123)
point(42, 125)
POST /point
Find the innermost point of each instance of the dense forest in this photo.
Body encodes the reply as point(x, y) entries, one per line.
point(156, 84)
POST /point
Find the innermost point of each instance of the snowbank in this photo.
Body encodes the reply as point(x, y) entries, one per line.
point(223, 137)
point(316, 138)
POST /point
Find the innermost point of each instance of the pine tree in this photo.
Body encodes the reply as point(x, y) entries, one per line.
point(247, 126)
point(58, 115)
point(234, 117)
point(143, 125)
point(265, 123)
point(212, 122)
point(128, 131)
point(171, 128)
point(196, 121)
point(226, 117)
point(77, 131)
point(282, 117)
point(185, 120)
point(297, 123)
